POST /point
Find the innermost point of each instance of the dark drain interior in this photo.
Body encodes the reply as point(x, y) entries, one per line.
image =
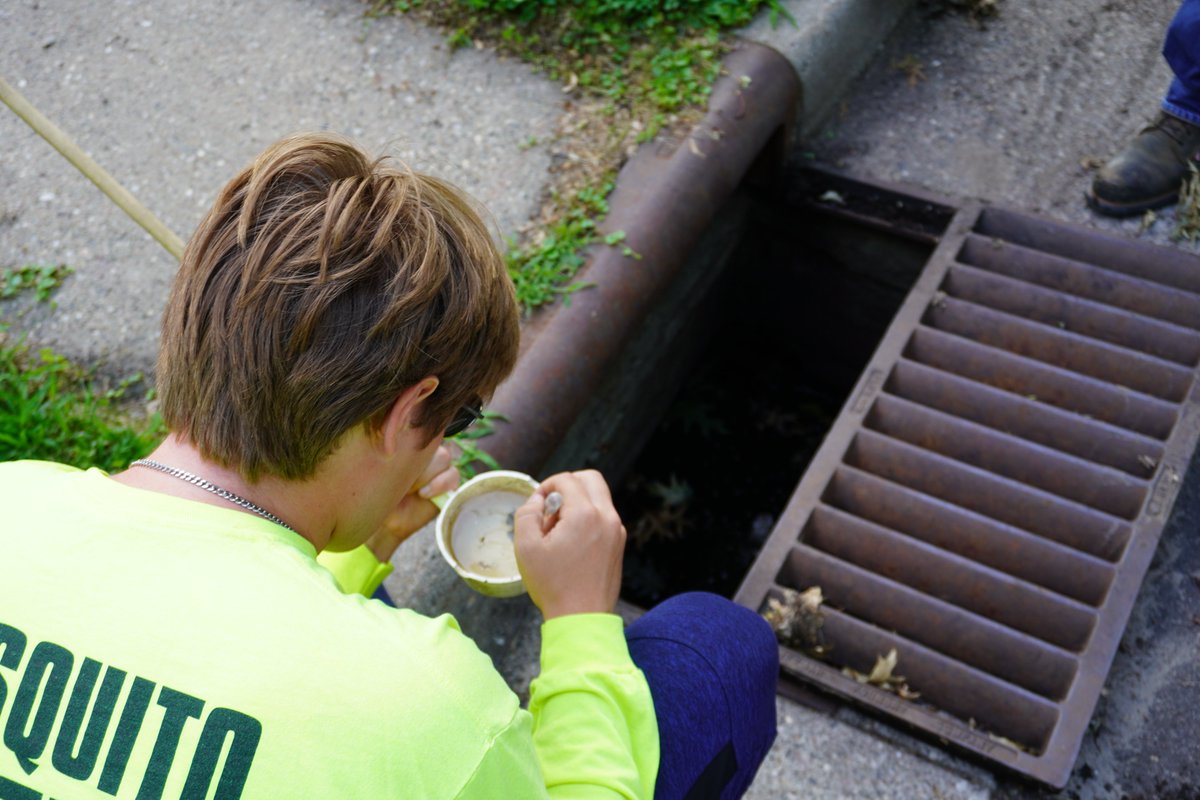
point(715, 475)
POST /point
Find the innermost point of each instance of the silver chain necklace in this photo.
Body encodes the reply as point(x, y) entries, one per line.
point(209, 486)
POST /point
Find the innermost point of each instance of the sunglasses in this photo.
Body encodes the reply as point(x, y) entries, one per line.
point(465, 417)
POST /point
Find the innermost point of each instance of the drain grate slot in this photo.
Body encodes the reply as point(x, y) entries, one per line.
point(1134, 294)
point(1004, 499)
point(1166, 266)
point(1035, 380)
point(1100, 487)
point(989, 498)
point(970, 638)
point(1021, 416)
point(975, 587)
point(1071, 351)
point(1095, 320)
point(945, 683)
point(1007, 548)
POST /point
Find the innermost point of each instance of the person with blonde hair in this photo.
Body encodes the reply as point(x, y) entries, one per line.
point(169, 631)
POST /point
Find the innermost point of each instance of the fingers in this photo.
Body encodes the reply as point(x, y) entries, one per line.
point(587, 493)
point(596, 487)
point(527, 520)
point(575, 566)
point(439, 476)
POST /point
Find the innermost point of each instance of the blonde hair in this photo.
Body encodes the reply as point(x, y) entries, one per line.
point(319, 286)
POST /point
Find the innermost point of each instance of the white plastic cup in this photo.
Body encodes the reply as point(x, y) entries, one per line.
point(483, 483)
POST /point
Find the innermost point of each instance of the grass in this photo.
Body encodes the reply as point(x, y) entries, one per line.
point(51, 409)
point(1187, 213)
point(629, 69)
point(54, 410)
point(41, 279)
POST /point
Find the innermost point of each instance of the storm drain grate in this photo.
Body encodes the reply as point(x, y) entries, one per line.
point(988, 500)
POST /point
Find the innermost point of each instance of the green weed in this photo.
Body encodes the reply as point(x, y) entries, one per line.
point(630, 67)
point(470, 453)
point(41, 279)
point(1187, 213)
point(53, 410)
point(542, 269)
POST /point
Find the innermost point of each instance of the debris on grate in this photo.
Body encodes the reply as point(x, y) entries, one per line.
point(796, 619)
point(883, 675)
point(987, 503)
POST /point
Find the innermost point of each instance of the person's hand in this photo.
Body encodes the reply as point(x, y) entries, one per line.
point(573, 564)
point(416, 509)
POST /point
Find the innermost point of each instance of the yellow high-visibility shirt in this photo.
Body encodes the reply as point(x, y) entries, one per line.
point(152, 646)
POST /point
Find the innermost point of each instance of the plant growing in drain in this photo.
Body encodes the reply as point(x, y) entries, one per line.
point(668, 520)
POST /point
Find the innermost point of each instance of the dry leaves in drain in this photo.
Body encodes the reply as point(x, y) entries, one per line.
point(796, 619)
point(1004, 740)
point(882, 675)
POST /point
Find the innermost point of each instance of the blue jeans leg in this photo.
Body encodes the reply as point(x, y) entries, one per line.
point(712, 666)
point(1182, 52)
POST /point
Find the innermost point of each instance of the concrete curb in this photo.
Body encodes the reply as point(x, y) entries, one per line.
point(830, 44)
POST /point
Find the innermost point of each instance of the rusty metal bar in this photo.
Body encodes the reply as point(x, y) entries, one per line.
point(995, 705)
point(972, 639)
point(1010, 601)
point(1005, 548)
point(1168, 266)
point(1096, 320)
point(920, 217)
point(1042, 382)
point(1104, 488)
point(1116, 365)
point(1036, 511)
point(1078, 435)
point(1065, 275)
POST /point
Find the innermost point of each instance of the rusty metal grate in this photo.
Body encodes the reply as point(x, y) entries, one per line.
point(988, 500)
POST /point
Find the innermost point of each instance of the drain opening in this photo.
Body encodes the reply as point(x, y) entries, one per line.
point(759, 397)
point(988, 501)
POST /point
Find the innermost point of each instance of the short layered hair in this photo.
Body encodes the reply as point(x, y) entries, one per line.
point(318, 288)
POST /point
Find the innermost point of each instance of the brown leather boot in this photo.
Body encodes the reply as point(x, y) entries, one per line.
point(1148, 172)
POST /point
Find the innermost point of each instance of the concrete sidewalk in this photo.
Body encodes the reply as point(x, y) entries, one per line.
point(173, 97)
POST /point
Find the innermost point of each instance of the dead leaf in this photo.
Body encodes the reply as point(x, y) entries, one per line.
point(1091, 162)
point(881, 674)
point(850, 672)
point(1004, 740)
point(695, 148)
point(796, 619)
point(1148, 219)
point(832, 197)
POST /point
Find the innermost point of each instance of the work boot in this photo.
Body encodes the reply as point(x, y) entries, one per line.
point(1148, 172)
